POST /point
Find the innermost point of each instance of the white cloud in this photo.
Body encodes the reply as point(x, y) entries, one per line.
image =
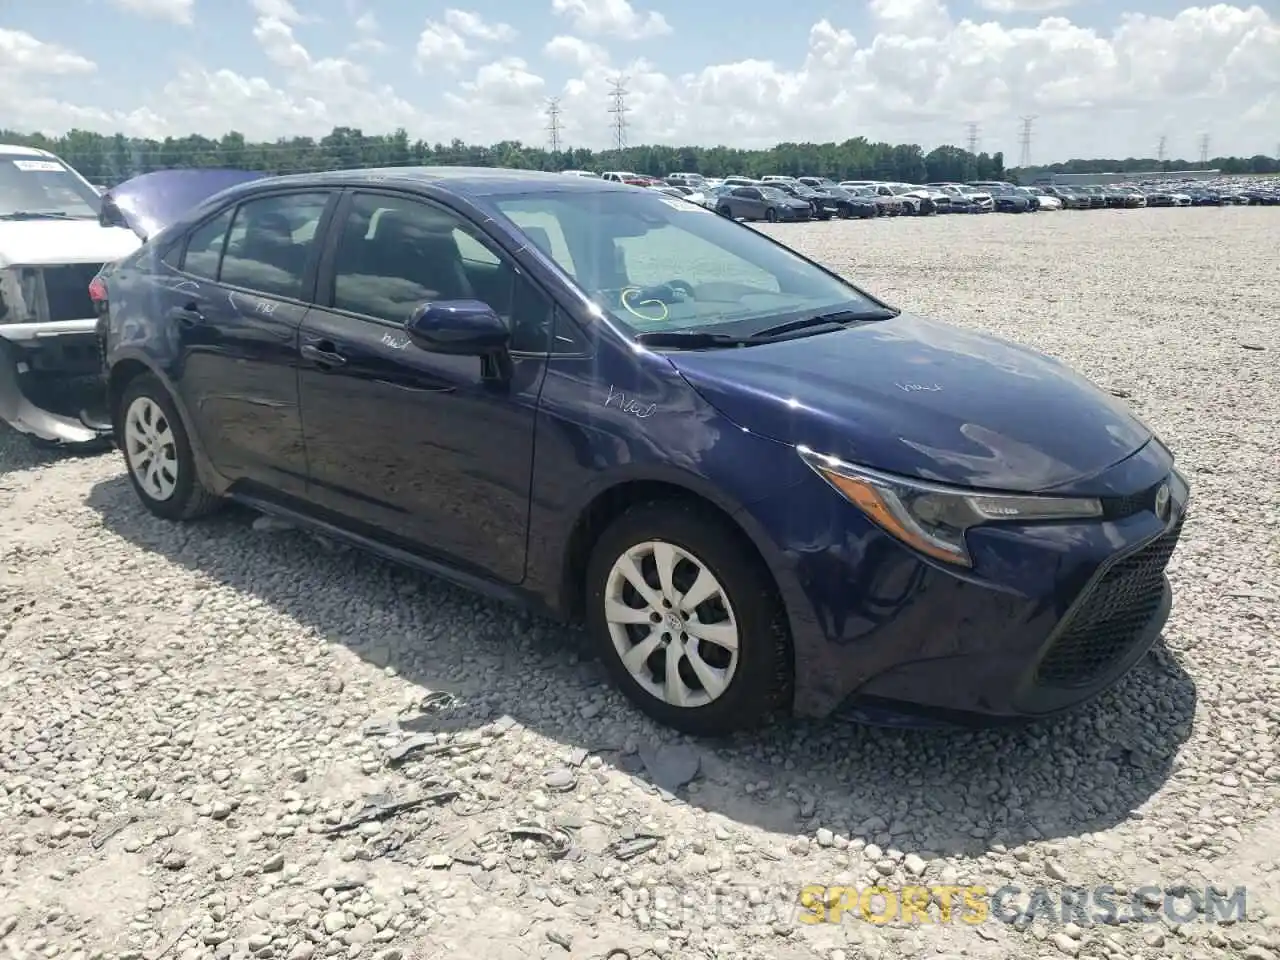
point(1025, 6)
point(282, 10)
point(444, 44)
point(918, 76)
point(367, 39)
point(575, 52)
point(473, 25)
point(21, 53)
point(178, 11)
point(616, 18)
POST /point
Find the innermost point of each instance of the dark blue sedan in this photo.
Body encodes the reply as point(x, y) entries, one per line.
point(762, 488)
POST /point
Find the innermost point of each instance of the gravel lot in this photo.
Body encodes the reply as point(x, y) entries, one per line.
point(189, 715)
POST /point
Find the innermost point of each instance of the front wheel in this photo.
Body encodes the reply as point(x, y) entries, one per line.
point(157, 453)
point(687, 620)
point(771, 215)
point(724, 211)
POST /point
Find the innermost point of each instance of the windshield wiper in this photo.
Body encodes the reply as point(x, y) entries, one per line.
point(695, 339)
point(832, 320)
point(689, 339)
point(40, 215)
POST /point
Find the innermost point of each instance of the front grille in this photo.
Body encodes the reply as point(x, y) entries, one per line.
point(1112, 616)
point(1118, 508)
point(66, 288)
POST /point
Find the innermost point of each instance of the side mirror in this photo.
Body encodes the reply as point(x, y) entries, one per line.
point(467, 328)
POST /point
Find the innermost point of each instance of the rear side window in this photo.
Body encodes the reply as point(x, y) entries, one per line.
point(204, 246)
point(271, 241)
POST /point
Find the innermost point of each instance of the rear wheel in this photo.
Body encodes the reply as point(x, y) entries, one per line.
point(687, 620)
point(157, 452)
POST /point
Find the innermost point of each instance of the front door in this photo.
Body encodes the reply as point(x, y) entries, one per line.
point(236, 304)
point(424, 448)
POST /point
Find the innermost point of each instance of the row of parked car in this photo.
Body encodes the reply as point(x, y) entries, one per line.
point(783, 198)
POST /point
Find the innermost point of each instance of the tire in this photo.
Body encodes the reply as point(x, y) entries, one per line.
point(178, 494)
point(759, 683)
point(771, 215)
point(724, 212)
point(844, 211)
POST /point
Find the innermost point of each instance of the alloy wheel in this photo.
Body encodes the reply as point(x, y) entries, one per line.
point(672, 624)
point(150, 448)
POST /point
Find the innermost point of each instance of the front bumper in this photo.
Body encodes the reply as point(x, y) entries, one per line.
point(1049, 617)
point(50, 380)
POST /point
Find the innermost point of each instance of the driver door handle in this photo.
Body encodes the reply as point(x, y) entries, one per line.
point(323, 354)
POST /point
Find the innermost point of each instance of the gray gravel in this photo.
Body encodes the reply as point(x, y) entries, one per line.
point(192, 716)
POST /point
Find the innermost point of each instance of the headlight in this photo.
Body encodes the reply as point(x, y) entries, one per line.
point(933, 518)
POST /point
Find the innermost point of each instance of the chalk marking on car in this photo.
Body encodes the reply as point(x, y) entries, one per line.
point(395, 343)
point(917, 387)
point(633, 407)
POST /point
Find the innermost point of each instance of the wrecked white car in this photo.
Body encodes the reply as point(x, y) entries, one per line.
point(51, 246)
point(56, 233)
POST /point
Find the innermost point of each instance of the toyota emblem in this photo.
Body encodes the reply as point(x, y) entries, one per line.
point(1162, 502)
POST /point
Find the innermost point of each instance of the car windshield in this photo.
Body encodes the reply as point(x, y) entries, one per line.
point(773, 193)
point(655, 264)
point(44, 187)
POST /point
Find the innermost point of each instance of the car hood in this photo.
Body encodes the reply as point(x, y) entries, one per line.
point(40, 242)
point(925, 399)
point(150, 202)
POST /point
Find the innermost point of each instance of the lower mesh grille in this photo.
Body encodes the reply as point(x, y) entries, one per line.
point(1110, 620)
point(66, 287)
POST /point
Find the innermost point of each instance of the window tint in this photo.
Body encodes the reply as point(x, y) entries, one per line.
point(395, 253)
point(204, 246)
point(270, 242)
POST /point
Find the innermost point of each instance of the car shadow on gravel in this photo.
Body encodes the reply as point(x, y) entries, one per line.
point(945, 792)
point(18, 452)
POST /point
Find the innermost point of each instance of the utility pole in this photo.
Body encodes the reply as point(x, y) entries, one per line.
point(1204, 149)
point(973, 137)
point(553, 123)
point(1024, 141)
point(1161, 147)
point(618, 107)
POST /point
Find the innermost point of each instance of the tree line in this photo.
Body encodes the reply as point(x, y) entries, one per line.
point(110, 159)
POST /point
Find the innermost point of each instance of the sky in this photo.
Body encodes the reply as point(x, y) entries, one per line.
point(1101, 78)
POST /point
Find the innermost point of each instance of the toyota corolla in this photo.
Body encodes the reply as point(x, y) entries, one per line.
point(761, 487)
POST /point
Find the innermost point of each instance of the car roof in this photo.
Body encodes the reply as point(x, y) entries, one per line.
point(465, 181)
point(23, 151)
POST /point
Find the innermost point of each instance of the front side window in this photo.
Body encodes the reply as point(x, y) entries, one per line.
point(43, 188)
point(395, 253)
point(271, 240)
point(658, 264)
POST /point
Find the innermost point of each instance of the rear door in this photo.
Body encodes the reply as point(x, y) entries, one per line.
point(246, 276)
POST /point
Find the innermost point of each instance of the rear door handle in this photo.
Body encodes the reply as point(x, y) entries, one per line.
point(323, 354)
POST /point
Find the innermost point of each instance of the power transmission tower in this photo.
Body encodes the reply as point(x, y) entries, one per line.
point(1204, 149)
point(618, 107)
point(972, 140)
point(1160, 148)
point(553, 123)
point(1024, 160)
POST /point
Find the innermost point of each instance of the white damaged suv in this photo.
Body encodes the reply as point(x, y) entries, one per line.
point(52, 245)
